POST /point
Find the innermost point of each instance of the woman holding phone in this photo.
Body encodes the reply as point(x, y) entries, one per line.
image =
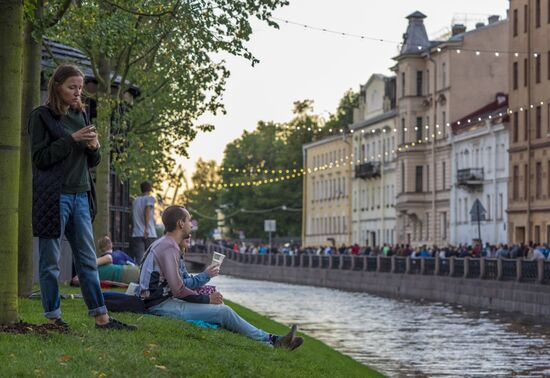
point(64, 147)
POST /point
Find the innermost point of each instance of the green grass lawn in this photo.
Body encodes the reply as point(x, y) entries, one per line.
point(161, 347)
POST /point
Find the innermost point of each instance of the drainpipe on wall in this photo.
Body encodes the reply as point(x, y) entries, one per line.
point(495, 187)
point(305, 177)
point(349, 223)
point(434, 139)
point(528, 174)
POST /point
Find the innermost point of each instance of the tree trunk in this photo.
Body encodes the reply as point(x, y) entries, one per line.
point(30, 100)
point(11, 20)
point(103, 170)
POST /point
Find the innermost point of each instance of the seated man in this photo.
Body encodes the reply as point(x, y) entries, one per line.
point(164, 292)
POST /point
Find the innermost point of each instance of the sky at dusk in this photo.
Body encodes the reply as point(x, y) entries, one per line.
point(297, 63)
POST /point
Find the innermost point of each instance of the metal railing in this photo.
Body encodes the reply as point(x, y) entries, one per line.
point(469, 175)
point(368, 170)
point(518, 270)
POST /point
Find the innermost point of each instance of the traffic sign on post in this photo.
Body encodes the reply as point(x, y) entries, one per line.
point(477, 214)
point(270, 225)
point(478, 211)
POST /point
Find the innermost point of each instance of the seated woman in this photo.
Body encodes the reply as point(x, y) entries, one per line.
point(115, 266)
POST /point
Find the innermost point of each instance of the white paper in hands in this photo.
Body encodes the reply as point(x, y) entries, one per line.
point(217, 258)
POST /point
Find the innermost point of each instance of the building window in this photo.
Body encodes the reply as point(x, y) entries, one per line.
point(418, 180)
point(403, 177)
point(538, 122)
point(460, 210)
point(443, 225)
point(488, 207)
point(515, 76)
point(443, 174)
point(443, 75)
point(402, 84)
point(515, 126)
point(525, 18)
point(525, 71)
point(525, 124)
point(538, 180)
point(419, 75)
point(428, 178)
point(516, 22)
point(465, 210)
point(537, 13)
point(548, 11)
point(418, 128)
point(548, 64)
point(537, 68)
point(525, 181)
point(515, 183)
point(427, 226)
point(427, 81)
point(548, 122)
point(500, 206)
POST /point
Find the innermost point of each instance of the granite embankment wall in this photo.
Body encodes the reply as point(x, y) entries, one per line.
point(489, 284)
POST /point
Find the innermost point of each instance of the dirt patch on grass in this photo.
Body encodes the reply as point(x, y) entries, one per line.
point(23, 328)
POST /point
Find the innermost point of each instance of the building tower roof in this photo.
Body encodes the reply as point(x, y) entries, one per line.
point(416, 35)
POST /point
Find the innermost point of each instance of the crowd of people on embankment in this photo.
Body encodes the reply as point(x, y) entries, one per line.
point(531, 251)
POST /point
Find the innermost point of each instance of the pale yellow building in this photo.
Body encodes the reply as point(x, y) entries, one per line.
point(439, 82)
point(326, 192)
point(529, 80)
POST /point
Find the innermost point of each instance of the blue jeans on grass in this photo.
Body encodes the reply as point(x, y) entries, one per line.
point(76, 225)
point(211, 313)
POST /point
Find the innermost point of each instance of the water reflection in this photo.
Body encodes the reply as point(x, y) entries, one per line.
point(403, 338)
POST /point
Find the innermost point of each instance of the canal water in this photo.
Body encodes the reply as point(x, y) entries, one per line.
point(403, 338)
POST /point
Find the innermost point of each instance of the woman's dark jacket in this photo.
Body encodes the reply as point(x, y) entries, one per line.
point(47, 183)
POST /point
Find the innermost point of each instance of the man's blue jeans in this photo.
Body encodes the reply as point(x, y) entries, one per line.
point(76, 224)
point(211, 313)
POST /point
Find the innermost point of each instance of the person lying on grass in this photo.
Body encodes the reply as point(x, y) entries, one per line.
point(113, 266)
point(164, 292)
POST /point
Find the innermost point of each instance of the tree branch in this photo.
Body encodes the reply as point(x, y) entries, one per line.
point(59, 15)
point(138, 13)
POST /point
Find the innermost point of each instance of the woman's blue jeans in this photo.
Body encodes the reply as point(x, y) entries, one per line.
point(76, 225)
point(211, 313)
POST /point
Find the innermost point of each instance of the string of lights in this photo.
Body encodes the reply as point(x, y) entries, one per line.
point(243, 210)
point(335, 163)
point(476, 52)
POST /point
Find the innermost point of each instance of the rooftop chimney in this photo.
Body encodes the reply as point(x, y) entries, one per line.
point(458, 29)
point(494, 18)
point(480, 25)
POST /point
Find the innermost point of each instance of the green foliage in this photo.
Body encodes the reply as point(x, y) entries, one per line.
point(162, 347)
point(202, 199)
point(167, 49)
point(275, 147)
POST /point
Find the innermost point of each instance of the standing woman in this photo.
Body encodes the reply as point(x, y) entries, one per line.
point(64, 147)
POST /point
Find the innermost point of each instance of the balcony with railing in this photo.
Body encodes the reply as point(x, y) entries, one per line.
point(470, 177)
point(368, 170)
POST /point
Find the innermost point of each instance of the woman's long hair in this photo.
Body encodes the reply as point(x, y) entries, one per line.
point(54, 101)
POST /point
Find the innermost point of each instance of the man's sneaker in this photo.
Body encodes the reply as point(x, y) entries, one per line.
point(285, 341)
point(115, 324)
point(61, 324)
point(296, 342)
